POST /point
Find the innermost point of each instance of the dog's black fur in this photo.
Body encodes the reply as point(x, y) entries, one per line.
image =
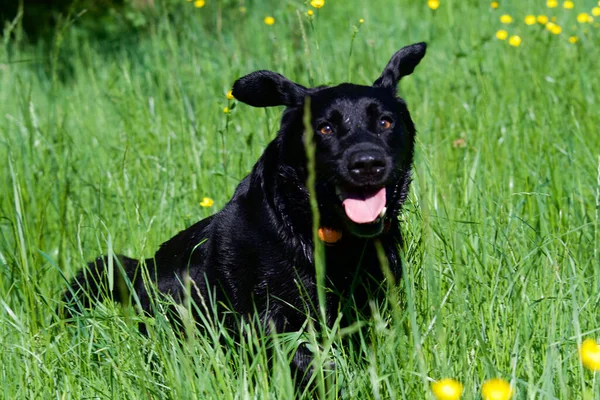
point(256, 255)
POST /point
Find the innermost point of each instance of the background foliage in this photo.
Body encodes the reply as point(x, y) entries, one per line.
point(113, 131)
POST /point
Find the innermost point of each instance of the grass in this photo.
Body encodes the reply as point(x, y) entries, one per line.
point(110, 147)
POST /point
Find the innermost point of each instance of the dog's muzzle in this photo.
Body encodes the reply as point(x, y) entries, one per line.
point(363, 194)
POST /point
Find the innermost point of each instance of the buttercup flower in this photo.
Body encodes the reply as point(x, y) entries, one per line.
point(583, 18)
point(568, 5)
point(310, 13)
point(554, 28)
point(447, 389)
point(596, 11)
point(199, 3)
point(496, 389)
point(502, 34)
point(590, 354)
point(552, 3)
point(530, 19)
point(226, 110)
point(361, 21)
point(433, 4)
point(506, 19)
point(317, 3)
point(229, 95)
point(207, 202)
point(573, 39)
point(514, 41)
point(269, 20)
point(495, 4)
point(542, 19)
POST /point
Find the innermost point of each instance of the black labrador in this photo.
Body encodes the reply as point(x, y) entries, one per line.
point(257, 254)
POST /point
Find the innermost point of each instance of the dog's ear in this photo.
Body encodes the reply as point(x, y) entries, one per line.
point(402, 63)
point(267, 89)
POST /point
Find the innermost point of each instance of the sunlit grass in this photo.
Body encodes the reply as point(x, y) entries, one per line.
point(115, 148)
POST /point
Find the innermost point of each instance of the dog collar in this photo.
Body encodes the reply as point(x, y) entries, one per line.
point(331, 236)
point(328, 235)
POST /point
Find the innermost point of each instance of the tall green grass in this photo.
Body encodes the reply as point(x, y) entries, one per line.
point(110, 147)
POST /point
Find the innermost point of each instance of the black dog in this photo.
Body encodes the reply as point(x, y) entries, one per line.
point(257, 254)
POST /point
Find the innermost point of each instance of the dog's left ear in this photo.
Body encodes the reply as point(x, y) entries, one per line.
point(402, 63)
point(268, 89)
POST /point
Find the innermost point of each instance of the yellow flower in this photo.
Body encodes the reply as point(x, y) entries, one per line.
point(583, 18)
point(568, 5)
point(495, 4)
point(496, 389)
point(542, 19)
point(447, 389)
point(573, 39)
point(310, 13)
point(502, 34)
point(317, 3)
point(514, 41)
point(199, 3)
point(596, 11)
point(552, 3)
point(243, 10)
point(226, 110)
point(506, 19)
point(530, 19)
point(361, 21)
point(269, 20)
point(207, 202)
point(590, 354)
point(554, 28)
point(433, 4)
point(229, 95)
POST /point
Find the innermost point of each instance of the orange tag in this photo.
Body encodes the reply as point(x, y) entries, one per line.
point(329, 236)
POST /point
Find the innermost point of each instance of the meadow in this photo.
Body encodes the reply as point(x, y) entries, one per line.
point(113, 146)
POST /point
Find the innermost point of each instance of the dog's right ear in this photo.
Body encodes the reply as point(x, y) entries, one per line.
point(267, 89)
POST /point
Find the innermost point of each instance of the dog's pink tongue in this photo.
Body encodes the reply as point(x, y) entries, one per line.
point(363, 208)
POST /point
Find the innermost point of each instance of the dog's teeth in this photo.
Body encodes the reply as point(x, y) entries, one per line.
point(383, 211)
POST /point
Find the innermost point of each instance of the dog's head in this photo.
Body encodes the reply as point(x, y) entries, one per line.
point(364, 139)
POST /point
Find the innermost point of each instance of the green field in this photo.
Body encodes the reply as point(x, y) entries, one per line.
point(111, 145)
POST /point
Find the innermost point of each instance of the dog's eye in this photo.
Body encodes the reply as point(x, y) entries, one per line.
point(385, 123)
point(326, 129)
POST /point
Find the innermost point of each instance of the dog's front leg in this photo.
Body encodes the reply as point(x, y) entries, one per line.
point(302, 368)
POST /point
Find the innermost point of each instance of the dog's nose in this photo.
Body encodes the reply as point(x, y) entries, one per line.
point(365, 165)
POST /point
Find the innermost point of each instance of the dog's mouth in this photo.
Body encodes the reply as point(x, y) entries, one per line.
point(364, 210)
